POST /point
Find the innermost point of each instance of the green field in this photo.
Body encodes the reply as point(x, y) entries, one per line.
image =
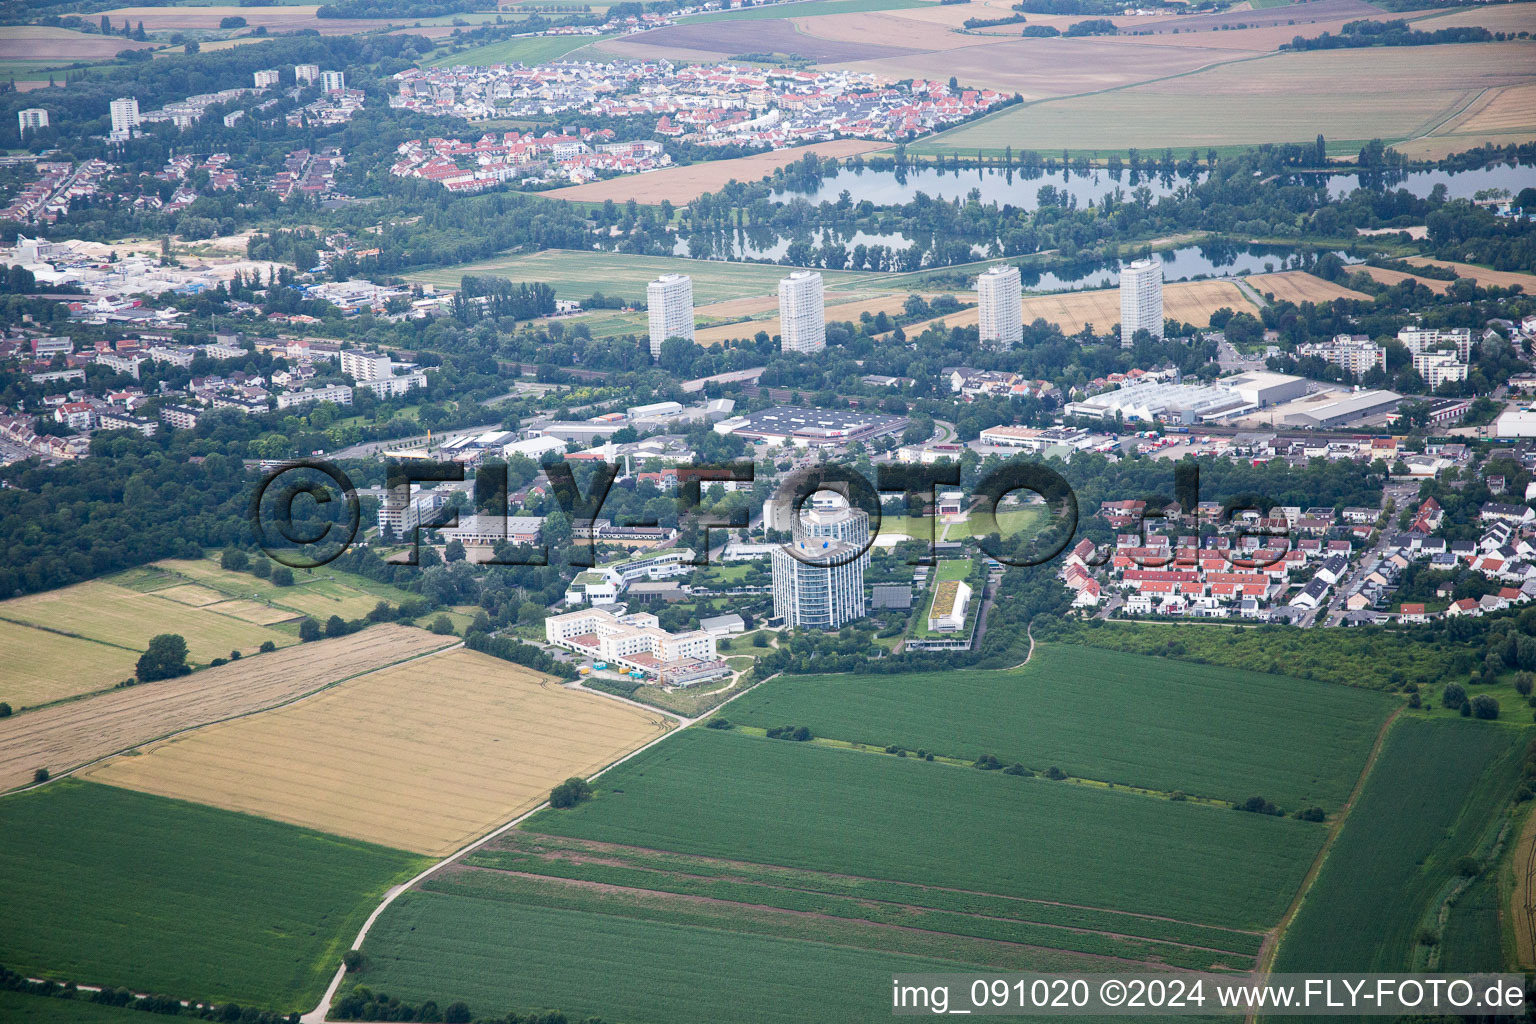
point(18, 1008)
point(1096, 714)
point(1436, 791)
point(111, 887)
point(802, 805)
point(501, 952)
point(319, 593)
point(1355, 657)
point(576, 274)
point(525, 50)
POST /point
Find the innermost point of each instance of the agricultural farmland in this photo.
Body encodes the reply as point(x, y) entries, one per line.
point(489, 741)
point(317, 593)
point(110, 887)
point(123, 618)
point(1298, 286)
point(79, 732)
point(578, 275)
point(1190, 301)
point(1121, 718)
point(683, 184)
point(1348, 95)
point(897, 818)
point(1434, 797)
point(43, 666)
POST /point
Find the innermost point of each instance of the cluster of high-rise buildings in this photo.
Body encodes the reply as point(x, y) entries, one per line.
point(802, 311)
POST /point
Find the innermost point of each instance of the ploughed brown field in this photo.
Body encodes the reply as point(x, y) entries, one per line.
point(426, 756)
point(65, 736)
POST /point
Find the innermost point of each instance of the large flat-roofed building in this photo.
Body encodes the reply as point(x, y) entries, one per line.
point(1000, 306)
point(1263, 389)
point(818, 577)
point(637, 642)
point(802, 313)
point(1349, 409)
point(811, 426)
point(950, 600)
point(32, 118)
point(1170, 403)
point(482, 533)
point(669, 302)
point(125, 116)
point(1141, 299)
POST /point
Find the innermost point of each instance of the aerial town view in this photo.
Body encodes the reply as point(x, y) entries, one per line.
point(767, 511)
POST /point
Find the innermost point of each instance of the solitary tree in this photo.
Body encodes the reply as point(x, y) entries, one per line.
point(165, 658)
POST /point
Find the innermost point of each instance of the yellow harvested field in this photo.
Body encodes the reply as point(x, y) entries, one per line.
point(66, 736)
point(426, 756)
point(1512, 108)
point(191, 594)
point(684, 184)
point(1482, 275)
point(767, 319)
point(1298, 286)
point(1390, 277)
point(42, 666)
point(255, 611)
point(116, 615)
point(1190, 301)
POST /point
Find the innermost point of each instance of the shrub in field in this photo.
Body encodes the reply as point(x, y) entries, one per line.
point(1484, 706)
point(569, 793)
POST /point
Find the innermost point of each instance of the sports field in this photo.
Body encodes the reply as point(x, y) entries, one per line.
point(1434, 797)
point(424, 756)
point(806, 806)
point(684, 184)
point(109, 887)
point(79, 732)
point(578, 275)
point(1122, 718)
point(1392, 93)
point(111, 614)
point(1298, 286)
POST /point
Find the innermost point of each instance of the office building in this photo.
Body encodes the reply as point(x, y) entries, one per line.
point(266, 79)
point(637, 643)
point(306, 73)
point(802, 313)
point(32, 118)
point(999, 305)
point(818, 577)
point(125, 116)
point(669, 300)
point(333, 81)
point(1141, 299)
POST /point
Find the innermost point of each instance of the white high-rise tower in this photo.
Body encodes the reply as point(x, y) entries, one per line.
point(669, 300)
point(1141, 299)
point(125, 116)
point(1000, 306)
point(802, 313)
